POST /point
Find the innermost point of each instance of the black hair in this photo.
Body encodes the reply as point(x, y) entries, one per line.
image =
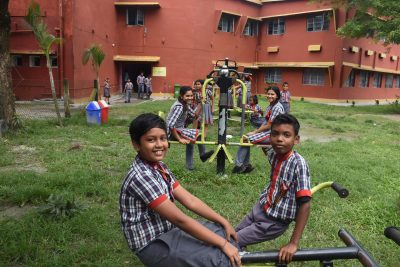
point(184, 89)
point(285, 83)
point(255, 99)
point(144, 123)
point(276, 90)
point(200, 81)
point(286, 119)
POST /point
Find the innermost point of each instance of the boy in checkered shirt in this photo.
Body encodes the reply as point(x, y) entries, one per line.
point(156, 229)
point(286, 197)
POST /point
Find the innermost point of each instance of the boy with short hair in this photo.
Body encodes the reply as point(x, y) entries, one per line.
point(286, 197)
point(285, 97)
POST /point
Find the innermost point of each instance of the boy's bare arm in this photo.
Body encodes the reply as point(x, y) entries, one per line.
point(286, 252)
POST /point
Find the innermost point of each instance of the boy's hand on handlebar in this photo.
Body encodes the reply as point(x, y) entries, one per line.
point(232, 253)
point(184, 141)
point(286, 253)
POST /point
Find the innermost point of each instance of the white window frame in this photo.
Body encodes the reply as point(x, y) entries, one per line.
point(14, 60)
point(138, 16)
point(251, 28)
point(315, 77)
point(276, 26)
point(226, 23)
point(273, 75)
point(318, 23)
point(32, 61)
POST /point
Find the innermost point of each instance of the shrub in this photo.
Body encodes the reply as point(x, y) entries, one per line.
point(57, 207)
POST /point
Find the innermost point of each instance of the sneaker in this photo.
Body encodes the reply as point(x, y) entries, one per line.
point(237, 169)
point(248, 168)
point(206, 155)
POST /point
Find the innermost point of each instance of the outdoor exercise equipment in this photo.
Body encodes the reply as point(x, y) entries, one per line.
point(393, 233)
point(325, 256)
point(224, 75)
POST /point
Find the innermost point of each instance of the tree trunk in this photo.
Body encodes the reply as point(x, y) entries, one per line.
point(66, 99)
point(7, 99)
point(53, 91)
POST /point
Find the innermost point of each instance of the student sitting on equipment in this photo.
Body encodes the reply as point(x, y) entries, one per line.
point(260, 136)
point(256, 118)
point(156, 229)
point(194, 114)
point(287, 195)
point(176, 127)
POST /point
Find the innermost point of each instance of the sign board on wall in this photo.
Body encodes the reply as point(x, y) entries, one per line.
point(159, 71)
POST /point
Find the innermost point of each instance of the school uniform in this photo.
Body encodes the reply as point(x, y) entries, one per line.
point(262, 138)
point(207, 107)
point(285, 100)
point(256, 118)
point(239, 97)
point(140, 83)
point(155, 240)
point(176, 120)
point(277, 206)
point(248, 93)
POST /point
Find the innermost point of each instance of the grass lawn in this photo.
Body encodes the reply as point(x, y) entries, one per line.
point(358, 147)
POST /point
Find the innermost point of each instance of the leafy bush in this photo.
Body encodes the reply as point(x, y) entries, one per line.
point(57, 207)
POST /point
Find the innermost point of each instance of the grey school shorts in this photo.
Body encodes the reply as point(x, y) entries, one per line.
point(178, 249)
point(257, 227)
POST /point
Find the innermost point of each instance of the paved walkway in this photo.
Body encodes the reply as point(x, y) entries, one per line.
point(44, 109)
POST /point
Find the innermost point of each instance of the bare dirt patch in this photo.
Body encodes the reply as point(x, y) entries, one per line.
point(323, 135)
point(25, 160)
point(15, 212)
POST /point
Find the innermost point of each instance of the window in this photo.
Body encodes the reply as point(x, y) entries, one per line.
point(54, 61)
point(350, 81)
point(389, 81)
point(16, 60)
point(135, 16)
point(314, 77)
point(318, 23)
point(397, 81)
point(377, 80)
point(251, 28)
point(34, 61)
point(364, 78)
point(276, 27)
point(273, 75)
point(226, 23)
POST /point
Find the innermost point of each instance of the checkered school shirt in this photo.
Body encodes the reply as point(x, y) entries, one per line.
point(145, 188)
point(285, 96)
point(270, 114)
point(289, 179)
point(176, 120)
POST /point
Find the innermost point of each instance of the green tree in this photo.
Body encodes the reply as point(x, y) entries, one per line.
point(377, 19)
point(7, 99)
point(96, 54)
point(46, 41)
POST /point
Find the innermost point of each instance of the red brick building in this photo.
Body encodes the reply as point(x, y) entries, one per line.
point(177, 41)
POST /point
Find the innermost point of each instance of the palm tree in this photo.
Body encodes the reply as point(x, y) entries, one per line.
point(46, 41)
point(96, 54)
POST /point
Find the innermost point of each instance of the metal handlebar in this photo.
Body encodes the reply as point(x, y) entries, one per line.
point(393, 233)
point(340, 190)
point(352, 251)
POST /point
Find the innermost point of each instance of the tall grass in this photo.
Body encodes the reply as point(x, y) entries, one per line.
point(355, 146)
